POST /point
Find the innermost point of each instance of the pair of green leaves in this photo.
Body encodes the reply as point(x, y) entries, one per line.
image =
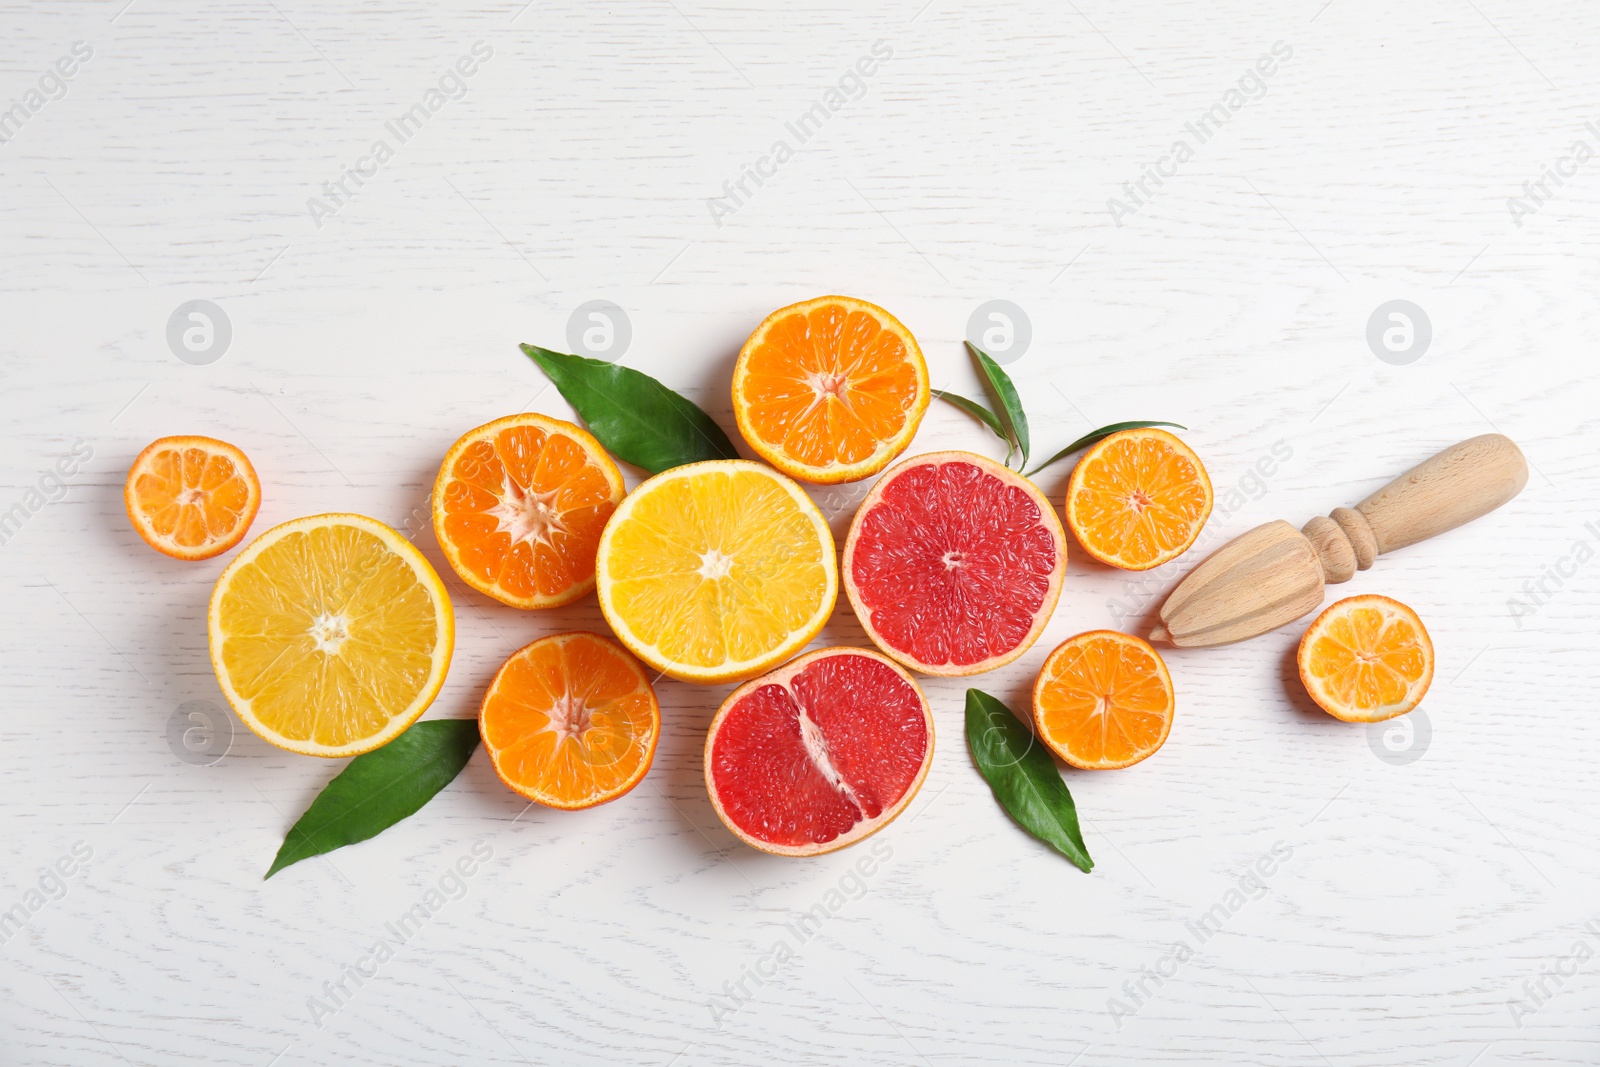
point(1007, 419)
point(1010, 422)
point(1024, 777)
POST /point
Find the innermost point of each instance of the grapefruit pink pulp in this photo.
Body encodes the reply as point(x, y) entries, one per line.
point(954, 563)
point(819, 753)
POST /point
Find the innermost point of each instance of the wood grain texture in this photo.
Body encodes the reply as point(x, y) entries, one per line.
point(1461, 483)
point(1263, 579)
point(1377, 162)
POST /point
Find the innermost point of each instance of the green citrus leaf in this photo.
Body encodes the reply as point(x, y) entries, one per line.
point(635, 417)
point(1099, 435)
point(976, 410)
point(1024, 777)
point(378, 789)
point(1004, 395)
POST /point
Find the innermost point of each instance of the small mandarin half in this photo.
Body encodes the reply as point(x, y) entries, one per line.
point(717, 571)
point(820, 753)
point(1103, 700)
point(519, 505)
point(830, 390)
point(1138, 498)
point(191, 497)
point(570, 721)
point(954, 563)
point(1366, 658)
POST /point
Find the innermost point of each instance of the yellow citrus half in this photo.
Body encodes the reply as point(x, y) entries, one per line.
point(716, 571)
point(330, 634)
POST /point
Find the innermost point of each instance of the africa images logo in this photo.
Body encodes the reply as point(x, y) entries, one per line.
point(1537, 192)
point(1251, 86)
point(850, 886)
point(452, 885)
point(452, 85)
point(52, 85)
point(852, 85)
point(1251, 885)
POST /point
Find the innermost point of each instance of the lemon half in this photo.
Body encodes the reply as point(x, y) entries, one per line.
point(717, 571)
point(330, 634)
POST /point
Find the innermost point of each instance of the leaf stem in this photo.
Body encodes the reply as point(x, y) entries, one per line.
point(1099, 435)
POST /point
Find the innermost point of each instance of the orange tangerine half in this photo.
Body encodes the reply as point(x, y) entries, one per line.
point(570, 721)
point(1366, 658)
point(1138, 499)
point(519, 505)
point(1103, 700)
point(191, 497)
point(830, 390)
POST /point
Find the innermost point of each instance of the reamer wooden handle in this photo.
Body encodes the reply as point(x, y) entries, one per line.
point(1455, 486)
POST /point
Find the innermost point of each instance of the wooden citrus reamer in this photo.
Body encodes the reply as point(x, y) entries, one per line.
point(1274, 574)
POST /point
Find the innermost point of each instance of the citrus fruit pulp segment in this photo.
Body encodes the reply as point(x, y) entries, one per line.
point(1103, 700)
point(330, 634)
point(718, 570)
point(830, 390)
point(820, 753)
point(570, 721)
point(518, 508)
point(1138, 499)
point(191, 497)
point(954, 563)
point(1366, 658)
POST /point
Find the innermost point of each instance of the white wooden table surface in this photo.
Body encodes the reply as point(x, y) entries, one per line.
point(1432, 899)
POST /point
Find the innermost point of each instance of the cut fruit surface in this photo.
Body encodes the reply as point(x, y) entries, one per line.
point(330, 634)
point(830, 390)
point(1103, 700)
point(954, 563)
point(1138, 499)
point(519, 505)
point(717, 571)
point(819, 753)
point(191, 497)
point(570, 721)
point(1366, 658)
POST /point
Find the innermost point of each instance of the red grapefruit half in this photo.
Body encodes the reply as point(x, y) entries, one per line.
point(820, 753)
point(954, 563)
